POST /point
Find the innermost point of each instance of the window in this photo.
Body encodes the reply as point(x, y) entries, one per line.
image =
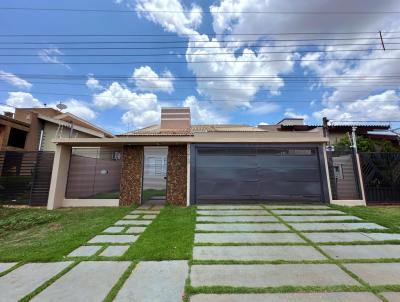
point(17, 138)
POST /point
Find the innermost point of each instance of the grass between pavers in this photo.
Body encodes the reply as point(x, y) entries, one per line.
point(339, 263)
point(388, 216)
point(169, 237)
point(117, 287)
point(29, 239)
point(49, 282)
point(278, 289)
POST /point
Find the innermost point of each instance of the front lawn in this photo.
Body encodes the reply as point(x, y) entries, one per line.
point(41, 235)
point(388, 216)
point(170, 236)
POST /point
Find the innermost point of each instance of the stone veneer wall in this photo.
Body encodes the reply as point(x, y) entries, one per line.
point(131, 175)
point(177, 175)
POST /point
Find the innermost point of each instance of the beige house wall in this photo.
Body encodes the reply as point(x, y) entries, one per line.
point(50, 132)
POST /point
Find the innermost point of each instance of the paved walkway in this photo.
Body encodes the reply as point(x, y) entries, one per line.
point(275, 247)
point(325, 254)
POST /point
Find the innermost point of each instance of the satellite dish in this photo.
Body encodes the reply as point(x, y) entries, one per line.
point(61, 106)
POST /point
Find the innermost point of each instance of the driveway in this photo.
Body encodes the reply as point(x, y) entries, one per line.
point(288, 253)
point(241, 253)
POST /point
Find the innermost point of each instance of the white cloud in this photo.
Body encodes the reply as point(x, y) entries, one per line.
point(93, 84)
point(383, 106)
point(80, 109)
point(22, 100)
point(259, 109)
point(147, 80)
point(243, 73)
point(263, 123)
point(202, 113)
point(163, 12)
point(14, 80)
point(142, 119)
point(290, 113)
point(50, 55)
point(142, 108)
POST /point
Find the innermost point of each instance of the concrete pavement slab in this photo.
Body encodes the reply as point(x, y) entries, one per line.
point(231, 212)
point(144, 207)
point(392, 296)
point(377, 273)
point(382, 236)
point(318, 218)
point(130, 216)
point(145, 212)
point(149, 217)
point(297, 207)
point(247, 238)
point(6, 266)
point(85, 251)
point(246, 227)
point(113, 239)
point(236, 218)
point(114, 229)
point(269, 275)
point(150, 281)
point(327, 226)
point(261, 253)
point(308, 212)
point(133, 222)
point(337, 237)
point(25, 279)
point(229, 207)
point(290, 297)
point(89, 281)
point(135, 230)
point(114, 250)
point(362, 251)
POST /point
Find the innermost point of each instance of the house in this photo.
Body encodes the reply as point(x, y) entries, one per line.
point(33, 129)
point(205, 164)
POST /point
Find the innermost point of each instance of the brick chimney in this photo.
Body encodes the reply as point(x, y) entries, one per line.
point(175, 118)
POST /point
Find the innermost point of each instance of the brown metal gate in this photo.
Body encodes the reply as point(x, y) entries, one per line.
point(381, 173)
point(25, 177)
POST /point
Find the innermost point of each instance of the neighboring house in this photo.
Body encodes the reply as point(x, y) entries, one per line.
point(33, 129)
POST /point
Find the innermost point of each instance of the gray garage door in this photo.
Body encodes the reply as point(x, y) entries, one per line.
point(250, 174)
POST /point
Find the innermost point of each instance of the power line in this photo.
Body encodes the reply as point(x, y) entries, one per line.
point(47, 9)
point(184, 41)
point(99, 96)
point(201, 47)
point(200, 54)
point(197, 34)
point(201, 62)
point(116, 76)
point(368, 86)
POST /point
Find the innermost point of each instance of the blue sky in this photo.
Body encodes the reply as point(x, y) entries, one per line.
point(245, 86)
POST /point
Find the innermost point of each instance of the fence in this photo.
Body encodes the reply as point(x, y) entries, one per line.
point(343, 175)
point(381, 173)
point(25, 177)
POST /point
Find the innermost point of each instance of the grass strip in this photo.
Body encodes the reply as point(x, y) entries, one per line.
point(117, 287)
point(280, 289)
point(48, 282)
point(169, 237)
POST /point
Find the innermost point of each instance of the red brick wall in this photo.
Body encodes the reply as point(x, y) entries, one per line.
point(177, 175)
point(131, 178)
